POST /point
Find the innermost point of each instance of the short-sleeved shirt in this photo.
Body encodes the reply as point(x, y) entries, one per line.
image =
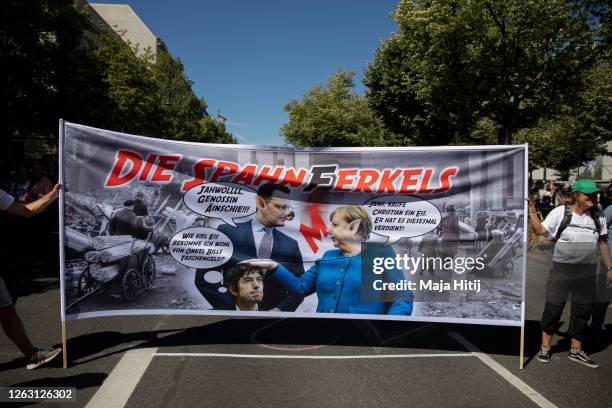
point(6, 200)
point(578, 241)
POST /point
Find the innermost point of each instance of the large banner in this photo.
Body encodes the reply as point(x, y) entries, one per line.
point(154, 226)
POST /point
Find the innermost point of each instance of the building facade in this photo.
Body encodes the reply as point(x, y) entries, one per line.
point(128, 25)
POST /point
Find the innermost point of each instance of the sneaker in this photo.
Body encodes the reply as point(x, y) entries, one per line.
point(581, 357)
point(544, 356)
point(41, 357)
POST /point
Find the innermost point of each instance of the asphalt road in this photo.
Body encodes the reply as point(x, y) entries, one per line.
point(182, 361)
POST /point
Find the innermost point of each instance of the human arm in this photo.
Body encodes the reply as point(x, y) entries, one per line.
point(304, 285)
point(35, 207)
point(536, 224)
point(296, 267)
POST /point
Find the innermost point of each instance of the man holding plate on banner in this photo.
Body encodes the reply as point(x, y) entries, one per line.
point(260, 238)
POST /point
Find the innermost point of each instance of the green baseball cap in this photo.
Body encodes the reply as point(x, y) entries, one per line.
point(586, 186)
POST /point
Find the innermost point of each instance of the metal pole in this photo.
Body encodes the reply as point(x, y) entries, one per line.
point(522, 352)
point(62, 231)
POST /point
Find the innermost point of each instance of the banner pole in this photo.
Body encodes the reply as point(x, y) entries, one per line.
point(522, 352)
point(524, 249)
point(64, 348)
point(62, 256)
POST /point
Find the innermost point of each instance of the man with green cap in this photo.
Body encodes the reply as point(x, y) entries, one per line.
point(578, 230)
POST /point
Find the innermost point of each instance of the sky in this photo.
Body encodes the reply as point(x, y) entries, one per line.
point(248, 58)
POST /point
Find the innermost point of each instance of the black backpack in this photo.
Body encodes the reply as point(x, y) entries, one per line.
point(567, 219)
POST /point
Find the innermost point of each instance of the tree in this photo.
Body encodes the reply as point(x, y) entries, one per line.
point(454, 63)
point(334, 115)
point(37, 40)
point(152, 98)
point(578, 133)
point(132, 88)
point(212, 131)
point(55, 68)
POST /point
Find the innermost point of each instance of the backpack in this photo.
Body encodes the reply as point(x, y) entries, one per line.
point(567, 219)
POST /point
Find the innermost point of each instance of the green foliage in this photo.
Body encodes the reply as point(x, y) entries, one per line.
point(37, 41)
point(153, 98)
point(594, 108)
point(212, 131)
point(334, 115)
point(456, 63)
point(55, 68)
point(135, 103)
point(578, 133)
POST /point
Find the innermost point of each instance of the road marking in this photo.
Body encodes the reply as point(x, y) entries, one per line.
point(294, 357)
point(121, 382)
point(529, 392)
point(117, 388)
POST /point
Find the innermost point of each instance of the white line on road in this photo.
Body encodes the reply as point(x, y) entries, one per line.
point(121, 382)
point(529, 392)
point(294, 357)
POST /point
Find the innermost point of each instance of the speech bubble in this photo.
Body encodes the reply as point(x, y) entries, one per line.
point(201, 247)
point(396, 217)
point(222, 200)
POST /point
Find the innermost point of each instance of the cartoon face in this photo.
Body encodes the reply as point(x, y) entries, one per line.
point(249, 288)
point(274, 211)
point(344, 232)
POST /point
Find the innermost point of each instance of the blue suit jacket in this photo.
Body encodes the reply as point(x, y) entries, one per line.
point(285, 251)
point(336, 279)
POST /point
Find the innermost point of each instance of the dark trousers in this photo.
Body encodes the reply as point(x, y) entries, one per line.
point(577, 280)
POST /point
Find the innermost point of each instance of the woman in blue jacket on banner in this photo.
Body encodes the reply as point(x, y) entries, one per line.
point(336, 277)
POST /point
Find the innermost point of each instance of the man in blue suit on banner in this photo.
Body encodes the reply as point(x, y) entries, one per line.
point(260, 238)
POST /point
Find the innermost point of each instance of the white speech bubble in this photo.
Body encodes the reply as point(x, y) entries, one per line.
point(222, 200)
point(201, 247)
point(397, 217)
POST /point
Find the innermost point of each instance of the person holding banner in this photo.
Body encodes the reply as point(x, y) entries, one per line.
point(260, 238)
point(11, 322)
point(336, 277)
point(578, 230)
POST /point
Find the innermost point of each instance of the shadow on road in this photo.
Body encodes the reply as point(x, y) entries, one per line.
point(352, 333)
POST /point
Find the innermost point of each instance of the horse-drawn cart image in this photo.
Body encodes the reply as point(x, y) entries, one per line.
point(115, 248)
point(120, 263)
point(499, 257)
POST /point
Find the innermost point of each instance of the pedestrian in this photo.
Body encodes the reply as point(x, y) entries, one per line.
point(578, 230)
point(11, 322)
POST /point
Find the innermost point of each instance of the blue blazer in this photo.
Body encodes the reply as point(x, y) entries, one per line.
point(336, 279)
point(285, 251)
